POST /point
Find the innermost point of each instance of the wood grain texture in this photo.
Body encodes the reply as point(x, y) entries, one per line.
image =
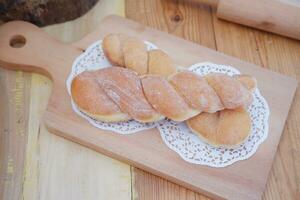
point(265, 49)
point(283, 56)
point(14, 101)
point(244, 180)
point(35, 172)
point(279, 17)
point(77, 29)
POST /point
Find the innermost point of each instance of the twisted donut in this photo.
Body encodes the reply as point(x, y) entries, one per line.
point(213, 106)
point(149, 98)
point(129, 52)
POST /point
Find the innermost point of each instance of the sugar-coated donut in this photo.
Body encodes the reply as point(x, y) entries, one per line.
point(123, 86)
point(112, 47)
point(135, 55)
point(196, 91)
point(226, 128)
point(160, 63)
point(93, 101)
point(164, 98)
point(232, 92)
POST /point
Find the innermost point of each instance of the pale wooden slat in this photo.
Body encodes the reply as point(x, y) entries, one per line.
point(14, 103)
point(180, 18)
point(77, 29)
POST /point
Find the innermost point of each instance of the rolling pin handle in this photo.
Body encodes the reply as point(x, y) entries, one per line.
point(213, 3)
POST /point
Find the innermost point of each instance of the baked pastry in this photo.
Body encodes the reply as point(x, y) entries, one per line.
point(148, 97)
point(93, 101)
point(226, 128)
point(164, 98)
point(231, 91)
point(160, 63)
point(116, 94)
point(112, 46)
point(130, 52)
point(124, 88)
point(196, 92)
point(135, 55)
point(213, 106)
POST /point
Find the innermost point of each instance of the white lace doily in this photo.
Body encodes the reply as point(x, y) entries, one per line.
point(177, 136)
point(93, 58)
point(191, 148)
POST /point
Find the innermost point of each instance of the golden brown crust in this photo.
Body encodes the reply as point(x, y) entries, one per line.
point(160, 63)
point(112, 48)
point(135, 55)
point(248, 81)
point(164, 98)
point(109, 93)
point(92, 100)
point(232, 93)
point(226, 128)
point(123, 86)
point(196, 91)
point(131, 53)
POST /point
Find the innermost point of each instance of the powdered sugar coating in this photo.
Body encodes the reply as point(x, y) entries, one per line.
point(123, 86)
point(179, 138)
point(196, 91)
point(164, 98)
point(231, 92)
point(92, 59)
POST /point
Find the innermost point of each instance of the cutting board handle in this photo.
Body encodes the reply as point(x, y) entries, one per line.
point(26, 47)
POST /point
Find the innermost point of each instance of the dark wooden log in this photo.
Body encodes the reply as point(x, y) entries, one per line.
point(43, 12)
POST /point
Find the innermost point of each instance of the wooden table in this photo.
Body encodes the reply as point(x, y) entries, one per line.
point(35, 164)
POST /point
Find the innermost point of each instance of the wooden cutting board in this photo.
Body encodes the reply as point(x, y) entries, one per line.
point(43, 54)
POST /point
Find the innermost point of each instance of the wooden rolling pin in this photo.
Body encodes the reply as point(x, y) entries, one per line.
point(277, 16)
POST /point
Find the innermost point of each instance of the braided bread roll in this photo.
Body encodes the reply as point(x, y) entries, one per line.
point(214, 105)
point(129, 52)
point(117, 90)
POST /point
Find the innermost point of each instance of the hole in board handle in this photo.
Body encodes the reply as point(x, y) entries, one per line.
point(17, 41)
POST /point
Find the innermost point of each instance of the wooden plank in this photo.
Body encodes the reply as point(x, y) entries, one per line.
point(14, 101)
point(180, 18)
point(148, 186)
point(75, 30)
point(39, 92)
